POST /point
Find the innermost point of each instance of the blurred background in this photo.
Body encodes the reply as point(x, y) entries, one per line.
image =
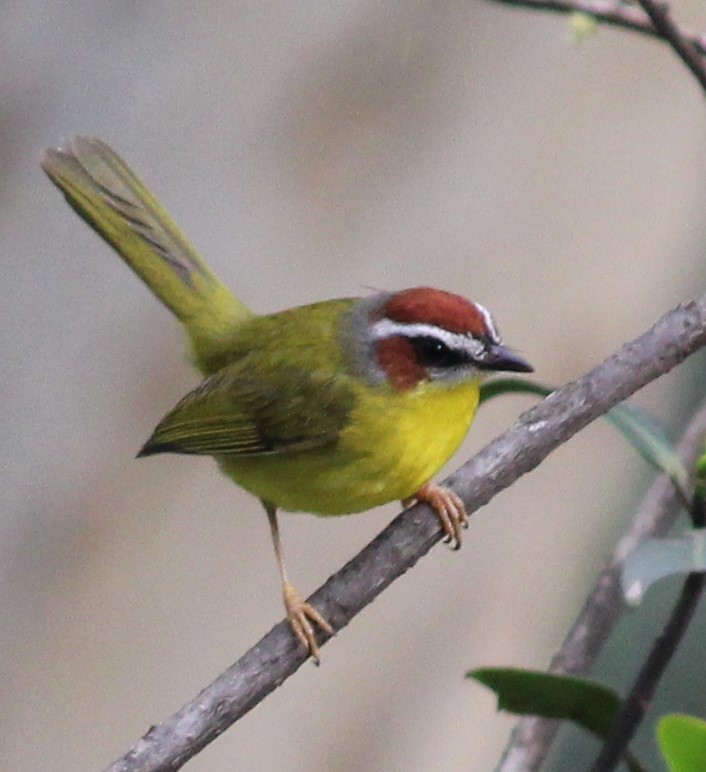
point(313, 150)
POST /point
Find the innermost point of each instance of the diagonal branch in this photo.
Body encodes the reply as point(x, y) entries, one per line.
point(532, 737)
point(667, 29)
point(638, 700)
point(412, 534)
point(619, 15)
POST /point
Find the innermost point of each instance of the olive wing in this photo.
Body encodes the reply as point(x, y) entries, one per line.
point(247, 410)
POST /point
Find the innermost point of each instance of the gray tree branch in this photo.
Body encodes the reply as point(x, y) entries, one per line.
point(411, 535)
point(661, 19)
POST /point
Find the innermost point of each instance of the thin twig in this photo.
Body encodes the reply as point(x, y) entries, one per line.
point(532, 737)
point(666, 28)
point(609, 12)
point(412, 534)
point(698, 511)
point(635, 705)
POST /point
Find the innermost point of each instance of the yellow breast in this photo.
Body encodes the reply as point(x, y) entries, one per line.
point(395, 442)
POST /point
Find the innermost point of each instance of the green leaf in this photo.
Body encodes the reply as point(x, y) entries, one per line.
point(531, 692)
point(500, 386)
point(682, 740)
point(647, 435)
point(656, 558)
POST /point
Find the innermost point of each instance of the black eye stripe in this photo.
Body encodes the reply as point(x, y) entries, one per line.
point(433, 352)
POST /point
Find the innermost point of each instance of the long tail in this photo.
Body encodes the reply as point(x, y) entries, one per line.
point(106, 193)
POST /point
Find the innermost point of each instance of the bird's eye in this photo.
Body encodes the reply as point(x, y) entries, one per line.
point(432, 352)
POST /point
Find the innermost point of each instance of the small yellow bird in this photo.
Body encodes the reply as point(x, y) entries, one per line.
point(330, 408)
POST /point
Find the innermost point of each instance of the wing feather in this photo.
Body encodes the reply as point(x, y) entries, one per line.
point(249, 408)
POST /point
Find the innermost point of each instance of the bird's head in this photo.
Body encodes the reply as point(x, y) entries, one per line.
point(424, 334)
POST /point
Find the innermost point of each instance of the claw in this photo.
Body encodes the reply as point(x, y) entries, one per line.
point(301, 615)
point(448, 507)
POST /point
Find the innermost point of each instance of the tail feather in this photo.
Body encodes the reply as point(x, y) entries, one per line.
point(107, 194)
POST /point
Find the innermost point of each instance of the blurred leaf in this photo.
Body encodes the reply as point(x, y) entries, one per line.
point(535, 693)
point(647, 435)
point(682, 740)
point(582, 26)
point(512, 386)
point(656, 558)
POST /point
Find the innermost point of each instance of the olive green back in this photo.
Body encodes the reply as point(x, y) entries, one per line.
point(287, 387)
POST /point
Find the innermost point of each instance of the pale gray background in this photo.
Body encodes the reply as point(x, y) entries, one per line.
point(312, 150)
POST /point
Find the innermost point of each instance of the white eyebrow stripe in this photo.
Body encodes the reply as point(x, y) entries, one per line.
point(386, 328)
point(489, 323)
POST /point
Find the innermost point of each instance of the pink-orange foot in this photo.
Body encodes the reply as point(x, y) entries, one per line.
point(448, 507)
point(301, 615)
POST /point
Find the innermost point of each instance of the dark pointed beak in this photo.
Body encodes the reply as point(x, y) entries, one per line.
point(499, 357)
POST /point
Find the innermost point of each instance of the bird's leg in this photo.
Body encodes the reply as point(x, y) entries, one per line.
point(448, 507)
point(301, 614)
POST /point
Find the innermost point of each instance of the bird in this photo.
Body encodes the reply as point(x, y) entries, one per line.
point(330, 408)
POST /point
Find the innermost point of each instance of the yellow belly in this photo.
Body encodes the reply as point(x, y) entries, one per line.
point(395, 443)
